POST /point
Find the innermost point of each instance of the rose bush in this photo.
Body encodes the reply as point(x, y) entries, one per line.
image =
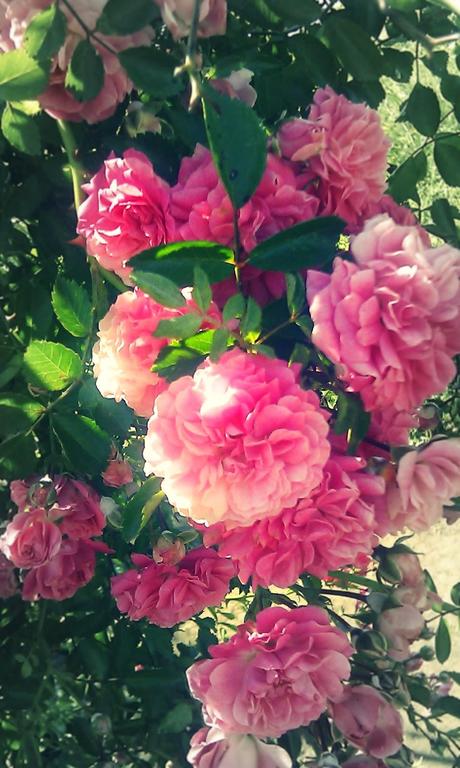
point(229, 301)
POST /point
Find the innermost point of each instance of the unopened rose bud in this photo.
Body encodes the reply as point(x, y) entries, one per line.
point(168, 550)
point(426, 652)
point(428, 416)
point(372, 643)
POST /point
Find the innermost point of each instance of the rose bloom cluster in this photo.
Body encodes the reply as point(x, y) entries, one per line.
point(52, 535)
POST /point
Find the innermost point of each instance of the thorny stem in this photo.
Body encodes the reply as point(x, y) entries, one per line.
point(84, 26)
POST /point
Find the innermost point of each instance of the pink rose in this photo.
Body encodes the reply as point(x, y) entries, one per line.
point(211, 748)
point(331, 528)
point(426, 481)
point(117, 473)
point(390, 320)
point(238, 441)
point(167, 594)
point(401, 626)
point(178, 15)
point(31, 539)
point(273, 675)
point(127, 211)
point(368, 720)
point(8, 580)
point(399, 213)
point(168, 550)
point(15, 16)
point(67, 572)
point(126, 350)
point(237, 85)
point(343, 146)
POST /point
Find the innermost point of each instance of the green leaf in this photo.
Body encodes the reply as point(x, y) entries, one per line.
point(220, 343)
point(295, 293)
point(177, 719)
point(234, 307)
point(455, 594)
point(85, 444)
point(151, 71)
point(295, 12)
point(85, 73)
point(114, 418)
point(422, 110)
point(404, 180)
point(442, 216)
point(51, 366)
point(237, 142)
point(10, 363)
point(202, 291)
point(46, 33)
point(177, 261)
point(72, 306)
point(21, 131)
point(355, 49)
point(447, 705)
point(398, 64)
point(442, 643)
point(447, 158)
point(117, 19)
point(17, 457)
point(179, 327)
point(160, 288)
point(252, 318)
point(310, 244)
point(21, 77)
point(17, 412)
point(94, 657)
point(134, 517)
point(352, 419)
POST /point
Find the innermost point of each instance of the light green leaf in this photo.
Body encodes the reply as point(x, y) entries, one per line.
point(177, 261)
point(46, 33)
point(85, 73)
point(17, 412)
point(252, 318)
point(202, 291)
point(21, 77)
point(51, 366)
point(220, 343)
point(72, 306)
point(21, 131)
point(234, 307)
point(179, 327)
point(160, 288)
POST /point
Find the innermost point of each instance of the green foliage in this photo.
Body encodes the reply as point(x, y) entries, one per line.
point(177, 261)
point(21, 130)
point(21, 77)
point(52, 366)
point(310, 244)
point(114, 20)
point(45, 33)
point(72, 306)
point(152, 71)
point(85, 74)
point(85, 445)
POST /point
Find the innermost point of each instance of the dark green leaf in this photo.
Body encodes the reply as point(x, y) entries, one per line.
point(295, 293)
point(151, 71)
point(10, 363)
point(234, 307)
point(179, 327)
point(17, 412)
point(317, 60)
point(310, 244)
point(160, 288)
point(94, 657)
point(85, 444)
point(252, 318)
point(17, 457)
point(45, 33)
point(355, 49)
point(177, 261)
point(219, 344)
point(51, 366)
point(418, 692)
point(447, 705)
point(21, 131)
point(237, 143)
point(114, 418)
point(117, 19)
point(443, 643)
point(367, 14)
point(422, 110)
point(295, 11)
point(177, 719)
point(450, 89)
point(447, 158)
point(352, 419)
point(441, 214)
point(455, 594)
point(134, 517)
point(398, 64)
point(85, 73)
point(21, 77)
point(72, 306)
point(202, 291)
point(404, 180)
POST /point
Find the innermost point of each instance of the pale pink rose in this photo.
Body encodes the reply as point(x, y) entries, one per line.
point(331, 528)
point(117, 473)
point(238, 441)
point(8, 580)
point(178, 15)
point(167, 594)
point(127, 211)
point(399, 213)
point(391, 426)
point(65, 574)
point(368, 720)
point(390, 320)
point(31, 539)
point(426, 481)
point(274, 674)
point(15, 16)
point(237, 85)
point(211, 748)
point(203, 211)
point(343, 146)
point(126, 350)
point(401, 626)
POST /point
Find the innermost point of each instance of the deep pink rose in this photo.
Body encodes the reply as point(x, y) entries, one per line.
point(178, 15)
point(8, 580)
point(331, 528)
point(127, 211)
point(426, 481)
point(237, 85)
point(117, 473)
point(167, 594)
point(211, 748)
point(31, 539)
point(15, 16)
point(67, 572)
point(401, 626)
point(126, 350)
point(390, 320)
point(343, 146)
point(238, 441)
point(368, 720)
point(273, 675)
point(203, 211)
